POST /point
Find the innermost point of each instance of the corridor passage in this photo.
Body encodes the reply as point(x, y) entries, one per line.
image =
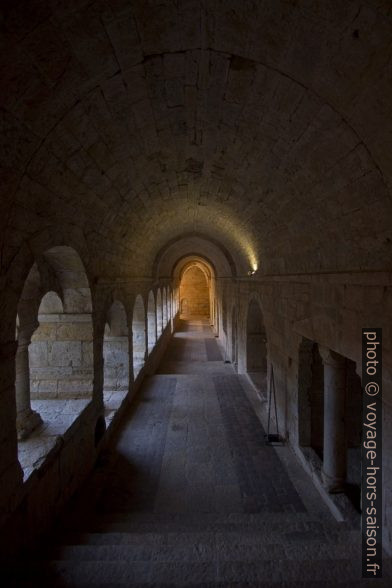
point(190, 494)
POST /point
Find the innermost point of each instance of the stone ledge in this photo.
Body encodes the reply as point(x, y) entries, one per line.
point(59, 417)
point(65, 318)
point(113, 401)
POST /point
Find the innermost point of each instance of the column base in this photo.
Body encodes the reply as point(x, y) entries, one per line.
point(26, 422)
point(333, 485)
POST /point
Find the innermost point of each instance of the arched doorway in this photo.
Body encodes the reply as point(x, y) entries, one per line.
point(138, 335)
point(54, 333)
point(195, 292)
point(256, 348)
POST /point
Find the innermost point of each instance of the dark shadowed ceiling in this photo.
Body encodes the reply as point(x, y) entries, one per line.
point(264, 125)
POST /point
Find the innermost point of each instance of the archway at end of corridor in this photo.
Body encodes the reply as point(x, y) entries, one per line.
point(195, 291)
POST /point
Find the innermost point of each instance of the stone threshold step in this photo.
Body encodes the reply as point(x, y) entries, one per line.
point(244, 537)
point(294, 529)
point(235, 517)
point(72, 573)
point(200, 519)
point(190, 519)
point(221, 551)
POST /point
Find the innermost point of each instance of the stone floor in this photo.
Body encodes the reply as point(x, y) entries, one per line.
point(189, 494)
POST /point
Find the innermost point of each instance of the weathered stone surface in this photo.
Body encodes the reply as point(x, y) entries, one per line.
point(190, 493)
point(138, 137)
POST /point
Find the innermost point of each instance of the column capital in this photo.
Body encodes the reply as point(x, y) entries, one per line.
point(331, 358)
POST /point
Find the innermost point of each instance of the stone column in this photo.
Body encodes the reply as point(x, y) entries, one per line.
point(26, 419)
point(335, 446)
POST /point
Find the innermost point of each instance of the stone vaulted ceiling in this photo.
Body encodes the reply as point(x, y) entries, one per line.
point(265, 125)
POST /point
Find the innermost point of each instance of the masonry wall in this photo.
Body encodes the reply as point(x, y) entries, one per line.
point(194, 294)
point(115, 144)
point(63, 349)
point(116, 363)
point(331, 310)
point(34, 504)
point(61, 357)
point(328, 309)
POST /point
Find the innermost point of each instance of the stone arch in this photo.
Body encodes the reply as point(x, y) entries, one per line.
point(51, 303)
point(116, 358)
point(151, 322)
point(138, 335)
point(194, 280)
point(194, 245)
point(54, 358)
point(32, 255)
point(159, 312)
point(256, 346)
